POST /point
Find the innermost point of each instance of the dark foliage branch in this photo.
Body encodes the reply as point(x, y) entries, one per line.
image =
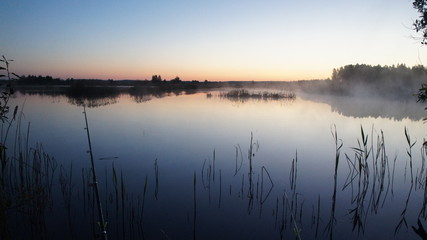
point(420, 25)
point(5, 91)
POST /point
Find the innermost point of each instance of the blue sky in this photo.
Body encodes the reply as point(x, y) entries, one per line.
point(215, 40)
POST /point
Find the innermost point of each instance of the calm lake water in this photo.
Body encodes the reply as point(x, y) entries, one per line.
point(200, 166)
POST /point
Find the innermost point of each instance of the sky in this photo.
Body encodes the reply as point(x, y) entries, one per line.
point(215, 40)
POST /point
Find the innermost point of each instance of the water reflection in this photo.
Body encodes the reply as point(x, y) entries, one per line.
point(346, 106)
point(363, 107)
point(99, 96)
point(145, 94)
point(79, 95)
point(286, 181)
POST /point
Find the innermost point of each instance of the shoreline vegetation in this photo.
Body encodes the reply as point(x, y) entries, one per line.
point(351, 85)
point(397, 82)
point(390, 82)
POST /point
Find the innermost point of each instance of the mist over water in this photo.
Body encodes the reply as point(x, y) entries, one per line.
point(371, 106)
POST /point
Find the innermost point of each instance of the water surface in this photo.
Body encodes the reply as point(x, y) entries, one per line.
point(228, 150)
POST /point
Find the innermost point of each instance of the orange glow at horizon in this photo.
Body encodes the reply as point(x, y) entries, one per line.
point(93, 69)
point(198, 40)
point(185, 76)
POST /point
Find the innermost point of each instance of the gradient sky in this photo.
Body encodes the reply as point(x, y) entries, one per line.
point(217, 40)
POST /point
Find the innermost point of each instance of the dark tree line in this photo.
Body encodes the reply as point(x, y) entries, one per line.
point(367, 74)
point(158, 78)
point(50, 81)
point(388, 81)
point(39, 80)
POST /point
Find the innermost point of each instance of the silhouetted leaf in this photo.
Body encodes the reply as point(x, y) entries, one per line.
point(15, 112)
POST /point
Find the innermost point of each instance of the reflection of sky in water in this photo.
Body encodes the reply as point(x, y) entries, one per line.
point(183, 131)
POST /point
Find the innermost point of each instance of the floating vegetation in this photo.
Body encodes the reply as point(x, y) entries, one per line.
point(243, 95)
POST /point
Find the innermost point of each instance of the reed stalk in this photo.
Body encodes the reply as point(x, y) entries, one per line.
point(409, 152)
point(241, 159)
point(194, 206)
point(220, 189)
point(338, 146)
point(156, 172)
point(296, 229)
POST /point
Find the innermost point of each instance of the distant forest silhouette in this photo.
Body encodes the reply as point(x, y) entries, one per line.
point(396, 81)
point(341, 91)
point(385, 81)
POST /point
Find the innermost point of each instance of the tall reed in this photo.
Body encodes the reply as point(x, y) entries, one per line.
point(338, 146)
point(26, 182)
point(409, 152)
point(194, 205)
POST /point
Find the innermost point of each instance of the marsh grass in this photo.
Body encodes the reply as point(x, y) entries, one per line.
point(66, 185)
point(243, 95)
point(403, 217)
point(369, 179)
point(290, 205)
point(371, 182)
point(26, 182)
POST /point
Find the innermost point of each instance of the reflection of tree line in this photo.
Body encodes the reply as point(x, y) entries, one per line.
point(363, 107)
point(144, 94)
point(388, 82)
point(97, 96)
